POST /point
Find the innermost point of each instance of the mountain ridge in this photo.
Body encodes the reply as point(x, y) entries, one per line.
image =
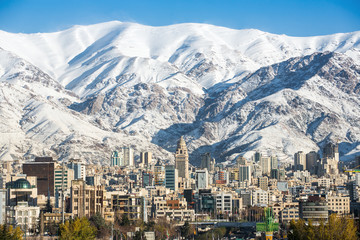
point(228, 91)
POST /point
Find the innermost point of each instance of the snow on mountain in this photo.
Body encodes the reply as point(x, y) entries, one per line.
point(88, 89)
point(298, 104)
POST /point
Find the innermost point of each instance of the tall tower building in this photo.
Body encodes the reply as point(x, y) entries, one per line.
point(331, 151)
point(115, 159)
point(145, 159)
point(311, 161)
point(171, 177)
point(207, 162)
point(182, 159)
point(265, 163)
point(274, 162)
point(300, 161)
point(244, 173)
point(257, 157)
point(128, 156)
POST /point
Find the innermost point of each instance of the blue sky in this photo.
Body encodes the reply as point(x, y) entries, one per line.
point(290, 17)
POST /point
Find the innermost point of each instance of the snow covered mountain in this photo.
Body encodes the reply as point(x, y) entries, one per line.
point(89, 89)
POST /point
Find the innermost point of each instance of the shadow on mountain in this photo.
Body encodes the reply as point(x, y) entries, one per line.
point(168, 138)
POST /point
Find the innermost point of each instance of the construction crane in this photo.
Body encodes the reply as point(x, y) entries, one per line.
point(355, 170)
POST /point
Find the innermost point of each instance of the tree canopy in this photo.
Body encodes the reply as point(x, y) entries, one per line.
point(336, 228)
point(78, 229)
point(10, 233)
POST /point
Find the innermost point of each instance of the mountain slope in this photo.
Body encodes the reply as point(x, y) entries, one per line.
point(86, 90)
point(286, 107)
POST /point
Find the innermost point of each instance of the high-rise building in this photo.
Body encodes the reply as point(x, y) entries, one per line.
point(145, 159)
point(274, 174)
point(207, 162)
point(263, 183)
point(63, 176)
point(43, 169)
point(159, 174)
point(331, 151)
point(299, 161)
point(171, 177)
point(128, 156)
point(265, 163)
point(274, 162)
point(311, 161)
point(244, 173)
point(124, 157)
point(357, 179)
point(116, 159)
point(2, 206)
point(257, 156)
point(202, 179)
point(79, 169)
point(182, 159)
point(147, 179)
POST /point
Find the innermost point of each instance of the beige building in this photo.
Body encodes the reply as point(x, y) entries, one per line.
point(145, 159)
point(265, 163)
point(339, 204)
point(129, 204)
point(300, 161)
point(263, 183)
point(182, 159)
point(173, 209)
point(87, 200)
point(288, 214)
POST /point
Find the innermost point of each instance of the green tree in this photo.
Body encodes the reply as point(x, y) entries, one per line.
point(10, 233)
point(139, 235)
point(124, 220)
point(103, 229)
point(78, 229)
point(164, 229)
point(185, 230)
point(336, 228)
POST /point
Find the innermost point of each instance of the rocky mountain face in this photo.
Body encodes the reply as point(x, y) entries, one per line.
point(85, 91)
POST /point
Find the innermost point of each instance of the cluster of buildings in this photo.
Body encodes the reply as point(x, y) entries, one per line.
point(46, 191)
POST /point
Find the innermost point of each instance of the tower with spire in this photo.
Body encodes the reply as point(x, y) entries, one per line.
point(182, 159)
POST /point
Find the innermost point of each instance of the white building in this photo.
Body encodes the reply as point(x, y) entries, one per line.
point(2, 206)
point(260, 197)
point(357, 179)
point(224, 203)
point(202, 179)
point(24, 216)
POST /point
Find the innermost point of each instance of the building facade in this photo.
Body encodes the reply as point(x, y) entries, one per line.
point(44, 169)
point(182, 159)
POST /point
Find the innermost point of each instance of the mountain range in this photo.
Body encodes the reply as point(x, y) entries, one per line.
point(87, 90)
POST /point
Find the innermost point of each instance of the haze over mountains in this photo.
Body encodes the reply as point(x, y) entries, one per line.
point(82, 92)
